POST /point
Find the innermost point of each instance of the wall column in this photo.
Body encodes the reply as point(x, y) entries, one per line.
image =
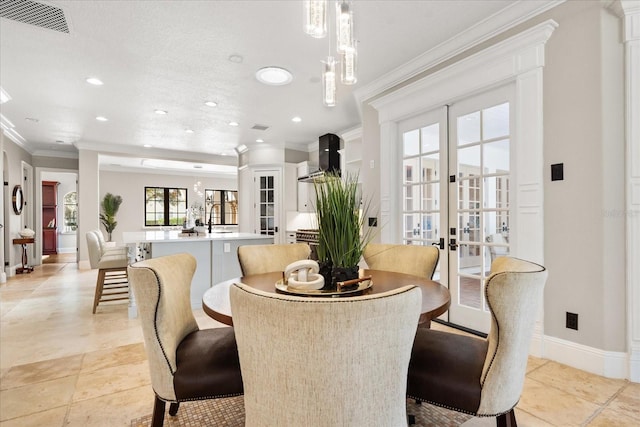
point(88, 200)
point(629, 11)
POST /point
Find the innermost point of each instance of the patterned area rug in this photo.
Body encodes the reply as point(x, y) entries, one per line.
point(230, 413)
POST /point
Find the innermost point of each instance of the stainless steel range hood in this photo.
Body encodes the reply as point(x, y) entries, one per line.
point(328, 159)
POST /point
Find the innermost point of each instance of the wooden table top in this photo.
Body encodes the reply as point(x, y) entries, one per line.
point(23, 241)
point(435, 297)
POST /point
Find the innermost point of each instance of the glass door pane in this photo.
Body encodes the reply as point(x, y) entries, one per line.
point(424, 189)
point(266, 203)
point(480, 158)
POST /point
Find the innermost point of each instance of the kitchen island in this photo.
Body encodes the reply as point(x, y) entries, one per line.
point(215, 253)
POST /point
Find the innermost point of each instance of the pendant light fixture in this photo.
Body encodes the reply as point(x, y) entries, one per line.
point(344, 27)
point(315, 18)
point(349, 67)
point(315, 24)
point(329, 82)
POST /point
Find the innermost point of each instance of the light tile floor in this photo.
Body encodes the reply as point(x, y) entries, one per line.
point(60, 365)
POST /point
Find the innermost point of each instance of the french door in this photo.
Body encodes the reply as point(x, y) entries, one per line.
point(266, 203)
point(456, 194)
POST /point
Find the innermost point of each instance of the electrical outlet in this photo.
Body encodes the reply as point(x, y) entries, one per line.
point(227, 247)
point(572, 321)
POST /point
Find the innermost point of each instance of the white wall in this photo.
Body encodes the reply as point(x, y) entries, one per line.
point(12, 222)
point(130, 186)
point(583, 115)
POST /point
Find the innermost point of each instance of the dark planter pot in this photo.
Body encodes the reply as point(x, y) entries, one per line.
point(341, 274)
point(325, 272)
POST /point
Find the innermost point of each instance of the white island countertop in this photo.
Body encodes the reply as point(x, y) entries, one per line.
point(173, 236)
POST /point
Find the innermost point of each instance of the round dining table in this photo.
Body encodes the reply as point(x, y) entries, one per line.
point(435, 297)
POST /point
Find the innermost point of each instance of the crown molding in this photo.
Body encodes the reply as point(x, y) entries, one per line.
point(157, 153)
point(507, 18)
point(54, 153)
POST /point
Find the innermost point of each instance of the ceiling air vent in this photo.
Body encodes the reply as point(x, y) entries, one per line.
point(34, 13)
point(260, 127)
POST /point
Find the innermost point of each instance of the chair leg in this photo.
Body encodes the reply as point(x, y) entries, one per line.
point(173, 408)
point(99, 288)
point(507, 420)
point(158, 413)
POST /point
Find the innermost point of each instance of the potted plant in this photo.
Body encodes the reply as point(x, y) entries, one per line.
point(340, 215)
point(110, 205)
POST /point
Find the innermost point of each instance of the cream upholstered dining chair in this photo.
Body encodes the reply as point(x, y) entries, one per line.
point(186, 363)
point(483, 377)
point(112, 283)
point(257, 259)
point(105, 249)
point(325, 362)
point(409, 259)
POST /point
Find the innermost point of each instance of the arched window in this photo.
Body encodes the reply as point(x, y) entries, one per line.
point(70, 201)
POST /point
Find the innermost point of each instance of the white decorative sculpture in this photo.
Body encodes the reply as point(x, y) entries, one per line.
point(303, 274)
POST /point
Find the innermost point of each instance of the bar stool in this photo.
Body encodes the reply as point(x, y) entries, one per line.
point(112, 283)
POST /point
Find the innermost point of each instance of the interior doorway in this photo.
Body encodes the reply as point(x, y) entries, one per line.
point(66, 222)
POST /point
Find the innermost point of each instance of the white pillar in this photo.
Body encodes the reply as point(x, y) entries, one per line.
point(629, 11)
point(89, 198)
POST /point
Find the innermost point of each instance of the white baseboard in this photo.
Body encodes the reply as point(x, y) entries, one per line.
point(66, 250)
point(609, 364)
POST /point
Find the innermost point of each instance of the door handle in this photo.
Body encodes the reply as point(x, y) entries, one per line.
point(441, 244)
point(452, 244)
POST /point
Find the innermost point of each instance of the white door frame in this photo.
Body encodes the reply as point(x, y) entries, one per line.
point(519, 59)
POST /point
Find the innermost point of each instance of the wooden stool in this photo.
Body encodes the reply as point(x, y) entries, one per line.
point(112, 283)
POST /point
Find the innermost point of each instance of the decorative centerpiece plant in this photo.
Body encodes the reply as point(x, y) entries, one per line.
point(110, 205)
point(342, 235)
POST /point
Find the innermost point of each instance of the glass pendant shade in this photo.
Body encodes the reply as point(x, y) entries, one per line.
point(315, 18)
point(344, 27)
point(348, 75)
point(329, 82)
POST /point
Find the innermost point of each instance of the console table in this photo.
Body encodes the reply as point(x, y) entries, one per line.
point(24, 242)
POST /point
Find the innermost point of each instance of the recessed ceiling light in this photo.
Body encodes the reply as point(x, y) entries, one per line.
point(101, 119)
point(211, 103)
point(161, 112)
point(94, 81)
point(189, 130)
point(233, 123)
point(259, 140)
point(296, 119)
point(274, 76)
point(236, 58)
point(147, 145)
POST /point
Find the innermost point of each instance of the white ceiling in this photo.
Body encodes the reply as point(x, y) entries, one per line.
point(174, 55)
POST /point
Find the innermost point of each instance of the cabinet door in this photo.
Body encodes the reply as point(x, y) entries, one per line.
point(49, 241)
